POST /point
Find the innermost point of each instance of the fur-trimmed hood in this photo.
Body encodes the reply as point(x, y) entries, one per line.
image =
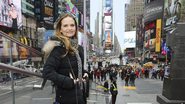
point(49, 46)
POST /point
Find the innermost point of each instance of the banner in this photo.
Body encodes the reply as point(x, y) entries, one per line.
point(158, 36)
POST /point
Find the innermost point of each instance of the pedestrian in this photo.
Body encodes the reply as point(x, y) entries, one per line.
point(113, 90)
point(113, 73)
point(127, 77)
point(106, 86)
point(106, 91)
point(64, 63)
point(132, 78)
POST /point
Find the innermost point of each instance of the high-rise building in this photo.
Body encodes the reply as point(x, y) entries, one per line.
point(132, 11)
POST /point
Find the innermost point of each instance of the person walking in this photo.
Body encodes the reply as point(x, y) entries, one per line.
point(127, 77)
point(64, 63)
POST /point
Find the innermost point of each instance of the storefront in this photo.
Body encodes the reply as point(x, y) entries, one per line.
point(153, 15)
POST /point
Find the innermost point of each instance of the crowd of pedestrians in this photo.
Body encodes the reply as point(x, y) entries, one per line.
point(107, 76)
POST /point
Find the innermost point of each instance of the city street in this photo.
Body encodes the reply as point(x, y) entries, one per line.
point(73, 40)
point(145, 93)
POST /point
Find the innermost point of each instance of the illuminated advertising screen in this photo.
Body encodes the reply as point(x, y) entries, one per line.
point(108, 25)
point(10, 13)
point(108, 8)
point(150, 35)
point(72, 10)
point(48, 11)
point(174, 11)
point(108, 40)
point(129, 39)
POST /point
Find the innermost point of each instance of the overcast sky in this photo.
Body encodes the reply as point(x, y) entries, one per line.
point(119, 17)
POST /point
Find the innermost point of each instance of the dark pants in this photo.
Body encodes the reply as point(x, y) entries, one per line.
point(114, 99)
point(126, 82)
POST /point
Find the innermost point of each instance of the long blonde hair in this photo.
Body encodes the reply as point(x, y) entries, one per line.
point(63, 38)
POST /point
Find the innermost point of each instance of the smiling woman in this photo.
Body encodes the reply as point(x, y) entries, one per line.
point(64, 64)
point(68, 28)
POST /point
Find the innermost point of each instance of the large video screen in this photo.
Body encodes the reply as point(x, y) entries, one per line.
point(10, 13)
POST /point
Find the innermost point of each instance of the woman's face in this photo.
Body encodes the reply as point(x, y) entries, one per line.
point(68, 27)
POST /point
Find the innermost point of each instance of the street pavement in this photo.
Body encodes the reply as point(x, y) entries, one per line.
point(145, 92)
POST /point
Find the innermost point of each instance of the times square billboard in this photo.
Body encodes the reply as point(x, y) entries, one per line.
point(174, 11)
point(10, 13)
point(49, 13)
point(108, 37)
point(153, 11)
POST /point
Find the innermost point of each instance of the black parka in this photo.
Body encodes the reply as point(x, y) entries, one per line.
point(57, 69)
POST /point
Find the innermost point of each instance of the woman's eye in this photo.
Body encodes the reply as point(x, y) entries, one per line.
point(72, 25)
point(64, 25)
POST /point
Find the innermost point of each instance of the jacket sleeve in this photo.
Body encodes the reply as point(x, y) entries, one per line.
point(50, 71)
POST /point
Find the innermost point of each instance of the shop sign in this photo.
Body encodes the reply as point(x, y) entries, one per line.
point(153, 11)
point(158, 36)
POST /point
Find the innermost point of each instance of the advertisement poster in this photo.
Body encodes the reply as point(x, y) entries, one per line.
point(72, 9)
point(10, 13)
point(108, 25)
point(147, 38)
point(48, 12)
point(158, 35)
point(108, 8)
point(129, 39)
point(174, 11)
point(108, 40)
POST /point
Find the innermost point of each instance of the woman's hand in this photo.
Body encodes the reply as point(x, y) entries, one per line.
point(75, 80)
point(85, 75)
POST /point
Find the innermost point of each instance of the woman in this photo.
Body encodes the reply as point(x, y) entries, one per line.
point(64, 64)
